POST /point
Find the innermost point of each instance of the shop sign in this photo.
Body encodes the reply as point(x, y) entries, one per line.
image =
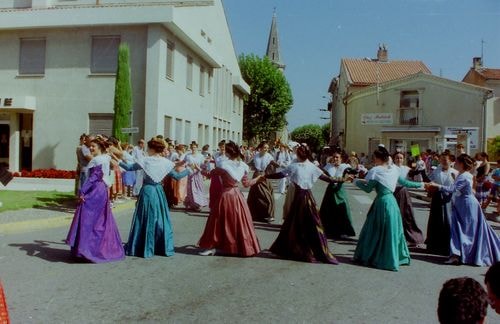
point(464, 133)
point(6, 102)
point(377, 119)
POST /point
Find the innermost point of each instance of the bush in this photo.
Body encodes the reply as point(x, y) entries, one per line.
point(44, 173)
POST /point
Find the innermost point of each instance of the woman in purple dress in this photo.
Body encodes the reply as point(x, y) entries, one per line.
point(93, 235)
point(196, 197)
point(473, 241)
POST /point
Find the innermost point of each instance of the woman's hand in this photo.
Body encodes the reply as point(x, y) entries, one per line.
point(81, 199)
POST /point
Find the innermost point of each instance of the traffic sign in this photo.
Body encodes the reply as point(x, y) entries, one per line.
point(130, 130)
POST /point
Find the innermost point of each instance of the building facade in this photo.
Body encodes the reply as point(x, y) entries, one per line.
point(357, 74)
point(489, 78)
point(58, 64)
point(418, 109)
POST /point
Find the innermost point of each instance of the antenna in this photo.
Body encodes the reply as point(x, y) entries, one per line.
point(482, 50)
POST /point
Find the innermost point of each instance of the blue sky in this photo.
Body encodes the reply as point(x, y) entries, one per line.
point(316, 34)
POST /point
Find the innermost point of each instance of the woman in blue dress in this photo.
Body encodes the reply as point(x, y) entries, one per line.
point(151, 231)
point(382, 242)
point(473, 241)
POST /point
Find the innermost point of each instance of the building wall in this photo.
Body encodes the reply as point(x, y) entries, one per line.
point(68, 92)
point(440, 106)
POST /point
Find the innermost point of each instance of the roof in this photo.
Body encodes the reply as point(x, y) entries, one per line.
point(364, 72)
point(426, 76)
point(489, 74)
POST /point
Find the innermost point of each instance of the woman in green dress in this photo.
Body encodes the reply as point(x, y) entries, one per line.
point(382, 242)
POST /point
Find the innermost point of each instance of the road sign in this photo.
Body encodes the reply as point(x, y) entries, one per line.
point(130, 130)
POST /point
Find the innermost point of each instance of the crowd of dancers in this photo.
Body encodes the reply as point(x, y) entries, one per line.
point(165, 176)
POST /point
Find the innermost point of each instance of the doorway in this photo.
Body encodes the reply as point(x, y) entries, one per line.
point(26, 129)
point(4, 144)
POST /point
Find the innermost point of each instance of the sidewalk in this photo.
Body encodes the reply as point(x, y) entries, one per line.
point(40, 184)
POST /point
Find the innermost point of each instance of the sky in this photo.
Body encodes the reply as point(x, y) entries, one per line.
point(315, 34)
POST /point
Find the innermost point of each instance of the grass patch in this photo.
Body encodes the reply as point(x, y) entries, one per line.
point(16, 200)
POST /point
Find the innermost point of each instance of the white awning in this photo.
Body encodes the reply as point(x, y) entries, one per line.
point(17, 104)
point(411, 129)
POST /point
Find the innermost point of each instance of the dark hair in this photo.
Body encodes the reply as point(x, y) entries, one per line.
point(394, 155)
point(157, 144)
point(381, 153)
point(304, 152)
point(492, 278)
point(193, 143)
point(233, 150)
point(466, 161)
point(462, 300)
point(485, 155)
point(101, 142)
point(261, 145)
point(223, 142)
point(159, 136)
point(205, 147)
point(445, 154)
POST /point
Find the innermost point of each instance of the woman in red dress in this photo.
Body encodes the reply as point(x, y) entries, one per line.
point(229, 227)
point(4, 315)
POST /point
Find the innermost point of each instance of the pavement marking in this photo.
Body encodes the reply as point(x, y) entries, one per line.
point(51, 222)
point(363, 199)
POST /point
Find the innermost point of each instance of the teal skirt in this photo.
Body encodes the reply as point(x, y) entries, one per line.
point(382, 242)
point(151, 231)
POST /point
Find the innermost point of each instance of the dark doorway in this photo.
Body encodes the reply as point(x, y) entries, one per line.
point(26, 127)
point(4, 143)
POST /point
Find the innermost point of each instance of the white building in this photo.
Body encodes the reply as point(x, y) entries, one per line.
point(57, 74)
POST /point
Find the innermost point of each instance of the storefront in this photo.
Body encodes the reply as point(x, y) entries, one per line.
point(401, 139)
point(16, 132)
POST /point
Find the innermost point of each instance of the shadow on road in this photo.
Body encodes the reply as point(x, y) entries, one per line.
point(60, 203)
point(43, 250)
point(267, 227)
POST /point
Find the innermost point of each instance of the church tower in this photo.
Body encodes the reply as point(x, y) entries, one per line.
point(273, 45)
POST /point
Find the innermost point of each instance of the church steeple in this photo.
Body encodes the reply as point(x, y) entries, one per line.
point(273, 45)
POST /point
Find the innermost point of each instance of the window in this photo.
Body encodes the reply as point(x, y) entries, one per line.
point(210, 78)
point(202, 81)
point(170, 60)
point(101, 124)
point(189, 73)
point(409, 108)
point(187, 132)
point(104, 54)
point(32, 56)
point(167, 127)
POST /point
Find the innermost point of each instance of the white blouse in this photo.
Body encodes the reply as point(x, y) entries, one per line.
point(303, 174)
point(385, 175)
point(236, 169)
point(336, 171)
point(156, 167)
point(444, 177)
point(261, 162)
point(104, 160)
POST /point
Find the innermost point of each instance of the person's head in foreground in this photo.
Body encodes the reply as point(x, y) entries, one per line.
point(462, 301)
point(492, 281)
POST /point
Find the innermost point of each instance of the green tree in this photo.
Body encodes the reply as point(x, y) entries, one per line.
point(123, 94)
point(494, 148)
point(325, 132)
point(311, 134)
point(269, 100)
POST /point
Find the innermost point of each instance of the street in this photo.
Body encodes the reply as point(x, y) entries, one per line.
point(43, 285)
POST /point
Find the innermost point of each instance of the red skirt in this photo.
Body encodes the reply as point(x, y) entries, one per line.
point(229, 227)
point(4, 315)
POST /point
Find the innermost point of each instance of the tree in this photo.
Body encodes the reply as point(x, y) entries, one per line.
point(269, 100)
point(311, 134)
point(325, 133)
point(123, 94)
point(494, 148)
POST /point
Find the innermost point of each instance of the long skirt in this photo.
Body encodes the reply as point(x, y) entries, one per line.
point(335, 212)
point(261, 200)
point(229, 226)
point(472, 238)
point(4, 314)
point(382, 242)
point(288, 200)
point(302, 236)
point(117, 186)
point(151, 231)
point(196, 197)
point(93, 234)
point(215, 191)
point(413, 234)
point(438, 226)
point(128, 178)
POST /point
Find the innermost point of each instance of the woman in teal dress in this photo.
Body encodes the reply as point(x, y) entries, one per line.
point(151, 231)
point(382, 242)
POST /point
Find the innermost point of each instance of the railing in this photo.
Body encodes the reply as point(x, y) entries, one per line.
point(408, 116)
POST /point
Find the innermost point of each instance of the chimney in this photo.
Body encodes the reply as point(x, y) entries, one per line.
point(477, 63)
point(382, 55)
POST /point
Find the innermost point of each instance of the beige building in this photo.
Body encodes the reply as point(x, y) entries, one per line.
point(418, 109)
point(357, 74)
point(489, 78)
point(57, 74)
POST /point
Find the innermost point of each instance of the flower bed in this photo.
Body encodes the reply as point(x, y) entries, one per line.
point(50, 173)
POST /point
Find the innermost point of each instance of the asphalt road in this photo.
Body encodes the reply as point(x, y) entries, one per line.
point(43, 285)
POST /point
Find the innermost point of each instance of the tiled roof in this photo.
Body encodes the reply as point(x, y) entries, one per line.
point(363, 72)
point(489, 74)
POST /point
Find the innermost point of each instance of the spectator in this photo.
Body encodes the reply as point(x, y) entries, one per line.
point(492, 281)
point(462, 301)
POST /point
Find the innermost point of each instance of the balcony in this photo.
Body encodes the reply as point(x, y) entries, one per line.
point(409, 116)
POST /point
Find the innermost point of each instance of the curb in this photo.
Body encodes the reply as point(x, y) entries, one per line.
point(51, 222)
